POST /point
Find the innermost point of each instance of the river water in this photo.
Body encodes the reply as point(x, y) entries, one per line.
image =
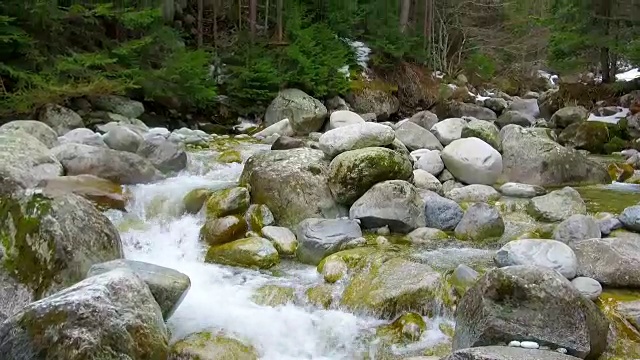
point(154, 231)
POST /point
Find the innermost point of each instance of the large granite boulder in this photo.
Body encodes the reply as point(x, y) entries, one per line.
point(356, 136)
point(473, 161)
point(39, 130)
point(305, 113)
point(612, 261)
point(319, 238)
point(539, 252)
point(59, 118)
point(505, 353)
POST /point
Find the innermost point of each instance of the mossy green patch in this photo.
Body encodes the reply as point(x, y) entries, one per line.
point(320, 295)
point(195, 199)
point(274, 295)
point(407, 328)
point(626, 344)
point(230, 156)
point(599, 199)
point(208, 346)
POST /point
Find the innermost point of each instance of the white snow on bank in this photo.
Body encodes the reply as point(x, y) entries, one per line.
point(611, 119)
point(628, 75)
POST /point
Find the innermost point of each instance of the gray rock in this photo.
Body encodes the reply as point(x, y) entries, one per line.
point(282, 127)
point(39, 130)
point(424, 180)
point(305, 113)
point(258, 216)
point(448, 130)
point(473, 193)
point(24, 161)
point(588, 287)
point(521, 190)
point(480, 222)
point(442, 213)
point(138, 127)
point(577, 227)
point(286, 142)
point(528, 157)
point(630, 218)
point(445, 175)
point(557, 205)
point(378, 102)
point(336, 103)
point(459, 110)
point(483, 130)
point(567, 116)
point(283, 239)
point(506, 353)
point(631, 312)
point(463, 277)
point(539, 252)
point(82, 136)
point(416, 137)
point(512, 117)
point(611, 261)
point(342, 118)
point(488, 314)
point(473, 161)
point(165, 155)
point(356, 136)
point(231, 201)
point(66, 236)
point(118, 105)
point(123, 139)
point(424, 118)
point(425, 235)
point(168, 286)
point(116, 166)
point(270, 176)
point(81, 322)
point(318, 238)
point(608, 223)
point(60, 119)
point(431, 162)
point(526, 106)
point(498, 105)
point(393, 203)
point(353, 173)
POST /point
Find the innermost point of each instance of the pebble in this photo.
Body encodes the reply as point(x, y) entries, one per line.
point(515, 343)
point(561, 350)
point(529, 345)
point(383, 230)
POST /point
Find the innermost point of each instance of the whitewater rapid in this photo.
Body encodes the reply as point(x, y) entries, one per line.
point(154, 231)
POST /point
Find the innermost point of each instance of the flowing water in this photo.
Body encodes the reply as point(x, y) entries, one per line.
point(154, 231)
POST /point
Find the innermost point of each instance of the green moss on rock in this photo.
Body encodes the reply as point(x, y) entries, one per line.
point(274, 295)
point(249, 252)
point(230, 156)
point(195, 199)
point(208, 346)
point(320, 295)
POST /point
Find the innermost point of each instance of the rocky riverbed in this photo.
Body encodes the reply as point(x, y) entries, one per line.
point(431, 238)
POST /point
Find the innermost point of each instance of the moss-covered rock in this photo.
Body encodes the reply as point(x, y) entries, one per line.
point(351, 257)
point(227, 202)
point(620, 172)
point(483, 130)
point(282, 238)
point(230, 156)
point(195, 199)
point(258, 216)
point(50, 243)
point(589, 135)
point(249, 252)
point(222, 230)
point(320, 295)
point(623, 338)
point(334, 269)
point(274, 295)
point(354, 172)
point(211, 346)
point(406, 328)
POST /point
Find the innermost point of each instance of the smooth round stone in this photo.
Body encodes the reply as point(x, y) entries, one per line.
point(630, 218)
point(588, 287)
point(539, 252)
point(521, 190)
point(529, 345)
point(514, 343)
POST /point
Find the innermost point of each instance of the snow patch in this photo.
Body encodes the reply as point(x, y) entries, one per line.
point(629, 75)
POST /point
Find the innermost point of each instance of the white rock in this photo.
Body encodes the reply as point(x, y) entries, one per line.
point(356, 136)
point(282, 127)
point(430, 161)
point(529, 345)
point(588, 287)
point(521, 190)
point(514, 343)
point(424, 180)
point(448, 130)
point(539, 252)
point(160, 131)
point(342, 118)
point(473, 161)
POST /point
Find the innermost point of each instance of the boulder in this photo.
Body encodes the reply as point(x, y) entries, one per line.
point(521, 190)
point(377, 101)
point(388, 287)
point(258, 216)
point(356, 136)
point(60, 119)
point(425, 235)
point(577, 227)
point(165, 155)
point(611, 261)
point(442, 213)
point(426, 181)
point(630, 218)
point(473, 193)
point(318, 238)
point(460, 109)
point(283, 239)
point(431, 162)
point(222, 230)
point(589, 135)
point(117, 166)
point(82, 136)
point(394, 203)
point(271, 176)
point(498, 105)
point(480, 222)
point(225, 202)
point(119, 105)
point(512, 117)
point(103, 193)
point(567, 116)
point(526, 106)
point(167, 286)
point(415, 137)
point(108, 316)
point(255, 253)
point(631, 312)
point(539, 252)
point(425, 119)
point(286, 142)
point(557, 205)
point(483, 130)
point(505, 353)
point(282, 128)
point(537, 160)
point(39, 130)
point(473, 161)
point(608, 223)
point(211, 346)
point(342, 118)
point(24, 161)
point(498, 308)
point(195, 199)
point(123, 139)
point(588, 287)
point(353, 173)
point(305, 113)
point(448, 130)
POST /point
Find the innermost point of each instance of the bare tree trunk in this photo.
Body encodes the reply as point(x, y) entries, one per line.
point(200, 25)
point(215, 24)
point(427, 23)
point(266, 17)
point(253, 13)
point(280, 31)
point(404, 14)
point(239, 15)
